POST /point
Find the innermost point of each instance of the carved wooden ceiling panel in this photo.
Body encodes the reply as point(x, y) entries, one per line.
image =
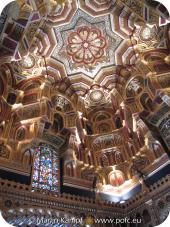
point(89, 80)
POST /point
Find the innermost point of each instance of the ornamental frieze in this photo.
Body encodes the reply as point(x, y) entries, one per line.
point(106, 141)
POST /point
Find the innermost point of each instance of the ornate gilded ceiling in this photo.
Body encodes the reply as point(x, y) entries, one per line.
point(89, 81)
point(87, 41)
point(95, 37)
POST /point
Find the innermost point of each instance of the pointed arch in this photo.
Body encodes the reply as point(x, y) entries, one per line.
point(27, 158)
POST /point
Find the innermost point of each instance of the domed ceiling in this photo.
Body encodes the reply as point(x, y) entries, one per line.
point(93, 38)
point(84, 104)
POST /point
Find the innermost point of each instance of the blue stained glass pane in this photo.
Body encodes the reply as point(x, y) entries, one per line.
point(45, 174)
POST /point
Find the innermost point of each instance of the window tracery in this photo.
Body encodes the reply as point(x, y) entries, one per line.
point(61, 104)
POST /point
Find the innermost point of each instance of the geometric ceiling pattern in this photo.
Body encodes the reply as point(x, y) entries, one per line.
point(84, 110)
point(86, 44)
point(93, 37)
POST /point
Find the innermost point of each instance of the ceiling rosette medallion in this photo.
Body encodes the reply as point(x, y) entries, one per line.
point(86, 45)
point(96, 96)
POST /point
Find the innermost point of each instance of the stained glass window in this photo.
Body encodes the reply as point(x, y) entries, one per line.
point(46, 166)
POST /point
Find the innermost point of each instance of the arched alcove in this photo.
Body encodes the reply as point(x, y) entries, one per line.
point(27, 158)
point(118, 123)
point(58, 122)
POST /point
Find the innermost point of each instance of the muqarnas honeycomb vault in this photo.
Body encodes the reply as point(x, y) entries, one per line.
point(85, 111)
